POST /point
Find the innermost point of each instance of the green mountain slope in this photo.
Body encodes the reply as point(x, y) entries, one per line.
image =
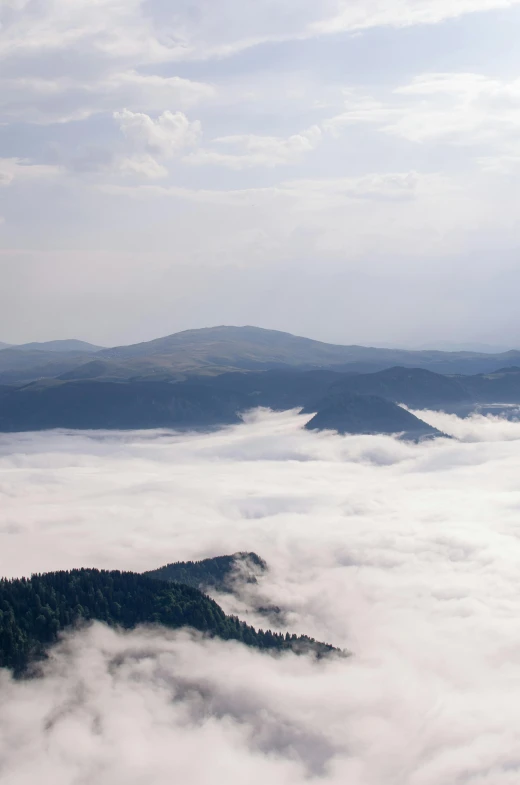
point(214, 573)
point(33, 611)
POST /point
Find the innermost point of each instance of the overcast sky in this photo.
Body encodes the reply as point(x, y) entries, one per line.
point(346, 170)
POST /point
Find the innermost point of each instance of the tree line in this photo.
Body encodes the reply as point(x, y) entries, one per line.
point(34, 611)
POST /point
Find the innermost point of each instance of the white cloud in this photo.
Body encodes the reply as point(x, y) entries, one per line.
point(254, 150)
point(476, 428)
point(106, 26)
point(68, 98)
point(361, 14)
point(162, 138)
point(465, 108)
point(360, 109)
point(330, 192)
point(17, 169)
point(153, 32)
point(112, 48)
point(407, 554)
point(108, 44)
point(141, 165)
point(166, 136)
point(308, 194)
point(456, 108)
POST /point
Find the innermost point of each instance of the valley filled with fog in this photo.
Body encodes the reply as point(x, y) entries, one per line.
point(406, 555)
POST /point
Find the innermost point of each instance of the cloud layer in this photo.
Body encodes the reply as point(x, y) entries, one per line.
point(406, 554)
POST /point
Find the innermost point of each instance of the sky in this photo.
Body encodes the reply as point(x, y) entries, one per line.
point(346, 170)
point(405, 554)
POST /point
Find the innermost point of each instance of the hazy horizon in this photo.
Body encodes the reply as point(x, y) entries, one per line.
point(446, 346)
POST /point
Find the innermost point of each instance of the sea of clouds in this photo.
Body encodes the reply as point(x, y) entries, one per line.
point(406, 554)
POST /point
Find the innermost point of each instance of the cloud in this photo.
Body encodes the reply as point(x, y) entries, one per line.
point(254, 150)
point(149, 32)
point(376, 186)
point(165, 136)
point(63, 99)
point(400, 184)
point(406, 554)
point(477, 428)
point(338, 215)
point(17, 169)
point(306, 194)
point(116, 52)
point(464, 109)
point(362, 14)
point(162, 138)
point(108, 47)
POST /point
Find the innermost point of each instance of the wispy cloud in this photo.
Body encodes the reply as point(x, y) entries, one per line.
point(464, 109)
point(252, 150)
point(16, 170)
point(150, 32)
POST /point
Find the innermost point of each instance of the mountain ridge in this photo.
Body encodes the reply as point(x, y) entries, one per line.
point(34, 611)
point(226, 348)
point(207, 402)
point(369, 415)
point(59, 345)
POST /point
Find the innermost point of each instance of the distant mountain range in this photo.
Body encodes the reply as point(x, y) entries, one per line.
point(353, 403)
point(67, 345)
point(182, 382)
point(220, 349)
point(47, 360)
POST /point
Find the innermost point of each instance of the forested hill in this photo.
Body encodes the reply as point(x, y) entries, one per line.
point(89, 404)
point(215, 573)
point(33, 611)
point(369, 414)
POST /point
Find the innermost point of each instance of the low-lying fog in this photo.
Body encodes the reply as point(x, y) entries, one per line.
point(408, 555)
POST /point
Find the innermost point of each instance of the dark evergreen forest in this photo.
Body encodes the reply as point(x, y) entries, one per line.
point(33, 612)
point(215, 573)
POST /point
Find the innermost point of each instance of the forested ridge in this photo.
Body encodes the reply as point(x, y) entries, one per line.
point(214, 573)
point(33, 611)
